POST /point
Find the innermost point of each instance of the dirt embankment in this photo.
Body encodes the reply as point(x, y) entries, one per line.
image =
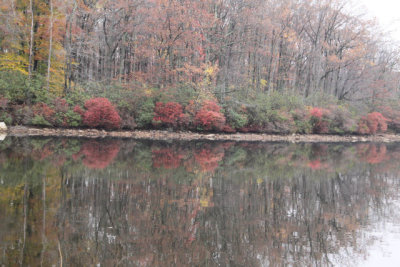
point(167, 135)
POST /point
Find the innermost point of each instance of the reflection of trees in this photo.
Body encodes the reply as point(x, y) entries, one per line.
point(372, 153)
point(98, 155)
point(166, 158)
point(208, 156)
point(205, 156)
point(160, 223)
point(261, 203)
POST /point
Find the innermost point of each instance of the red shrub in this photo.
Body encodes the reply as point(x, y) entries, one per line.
point(211, 106)
point(3, 102)
point(60, 105)
point(319, 120)
point(252, 129)
point(317, 112)
point(228, 129)
point(392, 113)
point(79, 110)
point(168, 113)
point(209, 117)
point(372, 123)
point(98, 155)
point(42, 109)
point(101, 113)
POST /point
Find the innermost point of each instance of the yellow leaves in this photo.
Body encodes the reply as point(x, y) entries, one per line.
point(210, 70)
point(290, 36)
point(206, 198)
point(148, 92)
point(57, 77)
point(12, 195)
point(263, 83)
point(13, 62)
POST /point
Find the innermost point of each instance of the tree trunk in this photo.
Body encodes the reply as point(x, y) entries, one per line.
point(31, 40)
point(50, 45)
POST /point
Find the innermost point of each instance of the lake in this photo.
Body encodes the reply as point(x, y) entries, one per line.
point(111, 202)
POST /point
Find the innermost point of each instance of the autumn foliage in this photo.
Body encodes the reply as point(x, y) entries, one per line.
point(209, 117)
point(166, 158)
point(371, 153)
point(100, 113)
point(168, 114)
point(209, 158)
point(319, 120)
point(98, 155)
point(42, 109)
point(373, 123)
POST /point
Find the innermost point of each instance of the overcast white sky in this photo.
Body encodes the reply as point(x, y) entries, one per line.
point(387, 13)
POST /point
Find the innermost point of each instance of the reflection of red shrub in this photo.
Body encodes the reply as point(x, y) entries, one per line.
point(42, 153)
point(208, 158)
point(315, 164)
point(168, 113)
point(59, 160)
point(209, 117)
point(101, 113)
point(371, 154)
point(166, 158)
point(319, 150)
point(98, 155)
point(372, 123)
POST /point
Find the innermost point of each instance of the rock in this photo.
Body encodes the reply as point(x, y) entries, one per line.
point(2, 136)
point(3, 127)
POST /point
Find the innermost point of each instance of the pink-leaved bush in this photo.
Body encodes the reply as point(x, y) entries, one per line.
point(209, 117)
point(373, 123)
point(168, 113)
point(100, 113)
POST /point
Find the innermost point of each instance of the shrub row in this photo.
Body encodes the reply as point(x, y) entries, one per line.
point(201, 115)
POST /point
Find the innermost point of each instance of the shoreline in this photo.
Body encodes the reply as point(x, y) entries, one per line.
point(22, 131)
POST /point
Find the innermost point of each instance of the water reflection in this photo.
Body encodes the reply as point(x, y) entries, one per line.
point(113, 202)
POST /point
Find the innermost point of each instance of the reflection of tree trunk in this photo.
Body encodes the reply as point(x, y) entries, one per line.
point(24, 227)
point(60, 253)
point(44, 219)
point(61, 217)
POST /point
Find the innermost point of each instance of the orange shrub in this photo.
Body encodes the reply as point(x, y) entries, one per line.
point(372, 123)
point(101, 113)
point(209, 117)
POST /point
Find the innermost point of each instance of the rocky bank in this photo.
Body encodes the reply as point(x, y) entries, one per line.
point(168, 135)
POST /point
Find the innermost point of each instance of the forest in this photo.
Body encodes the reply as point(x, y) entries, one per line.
point(268, 66)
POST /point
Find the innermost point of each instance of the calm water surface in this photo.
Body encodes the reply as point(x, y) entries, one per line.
point(78, 202)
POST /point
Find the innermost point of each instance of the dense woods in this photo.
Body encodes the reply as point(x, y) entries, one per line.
point(263, 66)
